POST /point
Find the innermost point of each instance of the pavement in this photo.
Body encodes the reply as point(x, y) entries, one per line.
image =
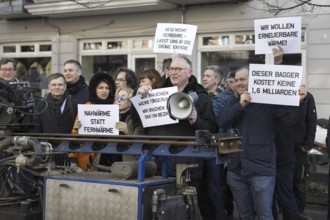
point(315, 212)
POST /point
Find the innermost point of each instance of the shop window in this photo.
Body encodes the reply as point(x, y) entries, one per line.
point(102, 63)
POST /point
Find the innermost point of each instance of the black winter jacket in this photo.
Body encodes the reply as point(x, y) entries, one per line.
point(79, 90)
point(304, 131)
point(205, 121)
point(205, 115)
point(49, 123)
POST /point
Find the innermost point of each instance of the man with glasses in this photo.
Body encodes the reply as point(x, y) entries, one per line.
point(76, 84)
point(201, 117)
point(8, 70)
point(126, 78)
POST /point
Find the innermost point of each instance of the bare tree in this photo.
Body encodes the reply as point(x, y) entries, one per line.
point(308, 6)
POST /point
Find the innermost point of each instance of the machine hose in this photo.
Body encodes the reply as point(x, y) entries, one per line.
point(25, 143)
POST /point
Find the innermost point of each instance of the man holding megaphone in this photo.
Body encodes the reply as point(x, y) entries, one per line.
point(196, 114)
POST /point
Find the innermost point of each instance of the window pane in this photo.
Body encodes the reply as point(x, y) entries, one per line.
point(244, 39)
point(142, 44)
point(92, 46)
point(115, 45)
point(45, 47)
point(27, 48)
point(107, 63)
point(9, 49)
point(230, 60)
point(216, 40)
point(144, 63)
point(35, 71)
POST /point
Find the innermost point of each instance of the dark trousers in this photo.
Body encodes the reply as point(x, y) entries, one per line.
point(227, 195)
point(301, 173)
point(210, 199)
point(329, 194)
point(284, 193)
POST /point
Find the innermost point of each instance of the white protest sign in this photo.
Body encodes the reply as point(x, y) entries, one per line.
point(275, 84)
point(152, 109)
point(177, 38)
point(98, 119)
point(278, 31)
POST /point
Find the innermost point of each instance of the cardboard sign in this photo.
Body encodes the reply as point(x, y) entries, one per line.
point(152, 109)
point(178, 38)
point(275, 84)
point(278, 31)
point(98, 119)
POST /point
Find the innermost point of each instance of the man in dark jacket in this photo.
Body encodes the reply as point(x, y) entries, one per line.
point(76, 84)
point(212, 198)
point(60, 114)
point(303, 136)
point(327, 141)
point(251, 173)
point(201, 118)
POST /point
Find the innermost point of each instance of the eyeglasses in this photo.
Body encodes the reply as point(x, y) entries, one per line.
point(7, 70)
point(121, 97)
point(177, 69)
point(120, 80)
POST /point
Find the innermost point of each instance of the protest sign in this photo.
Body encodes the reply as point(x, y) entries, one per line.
point(152, 109)
point(98, 119)
point(178, 38)
point(278, 31)
point(275, 84)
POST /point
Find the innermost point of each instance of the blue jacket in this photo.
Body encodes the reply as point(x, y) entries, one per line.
point(256, 123)
point(219, 101)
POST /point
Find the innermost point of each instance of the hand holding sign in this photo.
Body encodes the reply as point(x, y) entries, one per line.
point(302, 92)
point(278, 54)
point(143, 91)
point(77, 124)
point(245, 99)
point(122, 127)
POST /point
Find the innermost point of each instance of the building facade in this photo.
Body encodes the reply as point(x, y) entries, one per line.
point(105, 34)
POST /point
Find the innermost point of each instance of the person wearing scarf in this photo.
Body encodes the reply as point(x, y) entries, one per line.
point(126, 125)
point(102, 89)
point(59, 116)
point(76, 84)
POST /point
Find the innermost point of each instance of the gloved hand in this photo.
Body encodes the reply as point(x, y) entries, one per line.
point(122, 126)
point(77, 125)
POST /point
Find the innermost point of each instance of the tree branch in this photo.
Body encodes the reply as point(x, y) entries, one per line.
point(276, 7)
